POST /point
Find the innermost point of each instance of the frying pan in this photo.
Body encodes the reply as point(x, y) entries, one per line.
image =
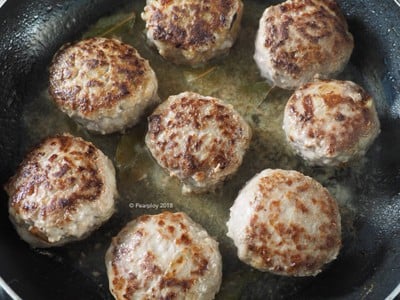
point(369, 263)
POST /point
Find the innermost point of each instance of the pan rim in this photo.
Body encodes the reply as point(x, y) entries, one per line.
point(8, 290)
point(395, 292)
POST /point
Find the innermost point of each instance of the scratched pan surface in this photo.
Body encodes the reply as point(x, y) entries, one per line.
point(368, 191)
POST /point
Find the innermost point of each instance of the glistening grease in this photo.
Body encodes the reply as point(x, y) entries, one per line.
point(234, 78)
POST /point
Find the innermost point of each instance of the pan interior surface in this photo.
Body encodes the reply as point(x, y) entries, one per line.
point(367, 191)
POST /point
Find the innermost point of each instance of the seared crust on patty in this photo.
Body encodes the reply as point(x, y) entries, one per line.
point(164, 256)
point(201, 140)
point(102, 83)
point(63, 190)
point(330, 122)
point(299, 39)
point(191, 31)
point(285, 223)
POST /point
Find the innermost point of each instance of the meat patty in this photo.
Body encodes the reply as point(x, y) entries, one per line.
point(63, 190)
point(104, 84)
point(165, 256)
point(330, 122)
point(286, 223)
point(201, 140)
point(190, 31)
point(299, 39)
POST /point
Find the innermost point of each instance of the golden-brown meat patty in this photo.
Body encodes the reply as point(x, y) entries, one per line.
point(201, 140)
point(104, 84)
point(299, 39)
point(330, 122)
point(63, 190)
point(285, 223)
point(190, 31)
point(165, 256)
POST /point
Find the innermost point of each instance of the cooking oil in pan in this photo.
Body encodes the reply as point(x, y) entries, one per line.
point(146, 189)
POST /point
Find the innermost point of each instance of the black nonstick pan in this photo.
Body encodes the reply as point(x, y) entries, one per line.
point(368, 192)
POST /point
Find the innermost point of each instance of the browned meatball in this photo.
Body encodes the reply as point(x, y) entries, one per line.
point(191, 31)
point(104, 84)
point(330, 122)
point(201, 140)
point(285, 223)
point(63, 190)
point(165, 256)
point(299, 39)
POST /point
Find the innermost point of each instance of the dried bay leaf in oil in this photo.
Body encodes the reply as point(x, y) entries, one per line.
point(112, 25)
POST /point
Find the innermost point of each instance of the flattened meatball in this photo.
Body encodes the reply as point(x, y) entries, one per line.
point(285, 223)
point(299, 39)
point(63, 190)
point(165, 256)
point(201, 140)
point(104, 84)
point(330, 122)
point(190, 31)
